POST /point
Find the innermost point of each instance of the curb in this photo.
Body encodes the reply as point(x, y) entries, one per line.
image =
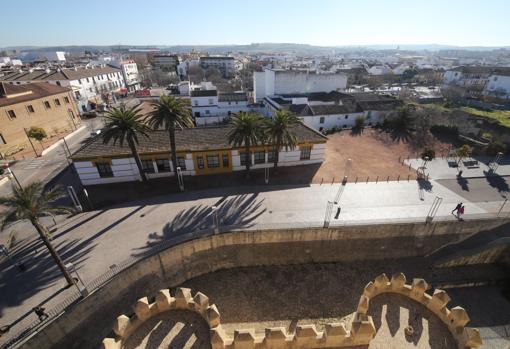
point(60, 142)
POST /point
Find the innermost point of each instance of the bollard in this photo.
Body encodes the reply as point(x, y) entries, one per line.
point(356, 181)
point(408, 176)
point(367, 179)
point(409, 167)
point(399, 158)
point(398, 178)
point(377, 180)
point(388, 179)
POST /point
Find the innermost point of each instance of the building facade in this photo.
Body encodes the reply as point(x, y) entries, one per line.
point(226, 65)
point(166, 62)
point(200, 151)
point(272, 82)
point(323, 111)
point(210, 107)
point(91, 86)
point(43, 105)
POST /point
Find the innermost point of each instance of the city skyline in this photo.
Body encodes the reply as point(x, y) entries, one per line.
point(323, 23)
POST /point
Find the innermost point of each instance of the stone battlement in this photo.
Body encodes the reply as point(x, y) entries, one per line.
point(361, 332)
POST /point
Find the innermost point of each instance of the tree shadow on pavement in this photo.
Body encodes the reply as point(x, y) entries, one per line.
point(463, 183)
point(42, 273)
point(498, 182)
point(236, 212)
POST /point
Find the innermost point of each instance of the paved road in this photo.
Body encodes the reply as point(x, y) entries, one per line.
point(95, 240)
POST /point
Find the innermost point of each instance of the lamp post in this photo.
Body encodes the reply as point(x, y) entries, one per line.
point(11, 174)
point(79, 285)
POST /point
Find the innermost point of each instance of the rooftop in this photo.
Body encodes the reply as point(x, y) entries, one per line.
point(483, 70)
point(57, 74)
point(232, 97)
point(188, 139)
point(13, 94)
point(204, 93)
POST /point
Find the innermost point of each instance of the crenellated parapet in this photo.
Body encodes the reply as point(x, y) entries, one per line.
point(360, 331)
point(455, 318)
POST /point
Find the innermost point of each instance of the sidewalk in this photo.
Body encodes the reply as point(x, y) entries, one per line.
point(94, 241)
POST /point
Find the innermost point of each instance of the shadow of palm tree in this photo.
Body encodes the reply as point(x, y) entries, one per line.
point(233, 213)
point(357, 131)
point(498, 182)
point(463, 182)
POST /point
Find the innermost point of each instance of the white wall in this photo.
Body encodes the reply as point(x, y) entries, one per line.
point(497, 83)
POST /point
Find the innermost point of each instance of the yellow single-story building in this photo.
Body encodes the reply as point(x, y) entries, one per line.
point(200, 151)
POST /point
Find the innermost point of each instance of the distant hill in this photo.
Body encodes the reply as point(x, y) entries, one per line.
point(255, 47)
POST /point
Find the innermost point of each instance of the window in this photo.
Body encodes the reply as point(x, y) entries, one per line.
point(243, 157)
point(305, 153)
point(71, 113)
point(213, 161)
point(196, 103)
point(11, 114)
point(163, 165)
point(369, 115)
point(79, 81)
point(211, 101)
point(321, 120)
point(181, 162)
point(147, 166)
point(57, 102)
point(200, 162)
point(2, 139)
point(207, 112)
point(47, 105)
point(225, 160)
point(104, 169)
point(347, 116)
point(30, 108)
point(58, 83)
point(260, 157)
point(229, 103)
point(66, 99)
point(77, 94)
point(88, 80)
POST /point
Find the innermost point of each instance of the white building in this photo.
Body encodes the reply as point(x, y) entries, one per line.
point(498, 85)
point(379, 70)
point(129, 72)
point(225, 64)
point(272, 82)
point(209, 107)
point(323, 111)
point(91, 86)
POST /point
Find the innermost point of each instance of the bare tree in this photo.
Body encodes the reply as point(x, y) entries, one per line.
point(196, 73)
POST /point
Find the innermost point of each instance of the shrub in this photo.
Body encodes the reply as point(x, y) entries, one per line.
point(359, 122)
point(487, 136)
point(464, 151)
point(495, 147)
point(37, 133)
point(428, 153)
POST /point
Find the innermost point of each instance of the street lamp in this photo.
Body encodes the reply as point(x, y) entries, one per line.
point(79, 285)
point(11, 174)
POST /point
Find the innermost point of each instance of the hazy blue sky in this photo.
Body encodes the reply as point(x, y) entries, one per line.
point(319, 22)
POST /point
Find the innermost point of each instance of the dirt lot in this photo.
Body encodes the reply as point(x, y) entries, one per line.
point(373, 153)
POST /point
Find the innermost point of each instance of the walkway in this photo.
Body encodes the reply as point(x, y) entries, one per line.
point(96, 240)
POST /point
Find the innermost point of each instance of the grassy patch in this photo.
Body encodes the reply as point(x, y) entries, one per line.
point(501, 116)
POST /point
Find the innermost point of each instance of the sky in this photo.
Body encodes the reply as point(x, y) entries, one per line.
point(195, 22)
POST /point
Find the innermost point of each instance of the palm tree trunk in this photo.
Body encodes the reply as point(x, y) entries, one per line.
point(171, 135)
point(276, 148)
point(248, 157)
point(132, 146)
point(44, 237)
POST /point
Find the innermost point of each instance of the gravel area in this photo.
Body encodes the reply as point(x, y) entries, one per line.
point(171, 330)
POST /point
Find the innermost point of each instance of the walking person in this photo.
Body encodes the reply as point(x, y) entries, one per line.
point(40, 312)
point(457, 208)
point(460, 213)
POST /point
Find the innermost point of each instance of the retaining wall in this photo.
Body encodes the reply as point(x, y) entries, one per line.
point(84, 324)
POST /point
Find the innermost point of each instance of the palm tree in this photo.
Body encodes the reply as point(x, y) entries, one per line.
point(278, 130)
point(125, 124)
point(30, 203)
point(169, 113)
point(246, 131)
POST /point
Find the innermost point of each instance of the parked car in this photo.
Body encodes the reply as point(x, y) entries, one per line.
point(89, 115)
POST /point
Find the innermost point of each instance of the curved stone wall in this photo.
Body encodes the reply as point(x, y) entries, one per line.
point(83, 324)
point(335, 335)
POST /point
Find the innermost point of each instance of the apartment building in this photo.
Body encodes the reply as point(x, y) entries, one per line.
point(208, 106)
point(477, 80)
point(129, 73)
point(226, 65)
point(44, 105)
point(166, 62)
point(272, 82)
point(91, 86)
point(325, 110)
point(200, 151)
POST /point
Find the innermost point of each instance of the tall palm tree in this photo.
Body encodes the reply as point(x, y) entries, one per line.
point(170, 113)
point(30, 203)
point(126, 124)
point(246, 131)
point(278, 130)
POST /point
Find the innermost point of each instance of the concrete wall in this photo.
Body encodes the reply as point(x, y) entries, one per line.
point(86, 323)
